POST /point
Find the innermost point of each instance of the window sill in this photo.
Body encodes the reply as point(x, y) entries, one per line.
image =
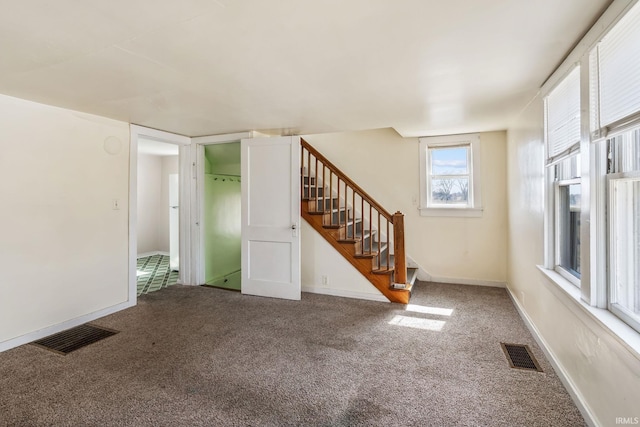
point(454, 212)
point(571, 296)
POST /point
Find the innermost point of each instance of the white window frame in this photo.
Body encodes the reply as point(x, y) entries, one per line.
point(559, 233)
point(613, 225)
point(474, 206)
point(570, 148)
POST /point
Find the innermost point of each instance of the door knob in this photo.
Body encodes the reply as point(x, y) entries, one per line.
point(293, 227)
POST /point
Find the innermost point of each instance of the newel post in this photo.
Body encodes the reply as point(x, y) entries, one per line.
point(400, 267)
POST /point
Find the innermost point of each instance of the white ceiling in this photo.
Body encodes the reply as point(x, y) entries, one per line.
point(201, 67)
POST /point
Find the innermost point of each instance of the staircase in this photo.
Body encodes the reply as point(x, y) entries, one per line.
point(368, 236)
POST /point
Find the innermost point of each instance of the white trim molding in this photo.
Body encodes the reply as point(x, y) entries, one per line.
point(160, 135)
point(425, 276)
point(222, 139)
point(146, 254)
point(472, 282)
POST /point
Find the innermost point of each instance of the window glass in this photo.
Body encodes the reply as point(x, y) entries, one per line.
point(450, 175)
point(570, 199)
point(450, 161)
point(624, 152)
point(450, 190)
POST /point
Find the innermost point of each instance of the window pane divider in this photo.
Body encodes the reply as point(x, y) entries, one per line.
point(571, 151)
point(565, 182)
point(466, 175)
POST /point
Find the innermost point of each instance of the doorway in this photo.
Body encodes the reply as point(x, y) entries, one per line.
point(157, 206)
point(221, 195)
point(157, 255)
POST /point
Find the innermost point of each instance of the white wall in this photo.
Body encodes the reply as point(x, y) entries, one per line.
point(63, 249)
point(153, 201)
point(450, 249)
point(149, 202)
point(170, 165)
point(605, 375)
point(230, 169)
point(319, 258)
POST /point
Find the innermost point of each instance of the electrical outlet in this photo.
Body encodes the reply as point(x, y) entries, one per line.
point(325, 280)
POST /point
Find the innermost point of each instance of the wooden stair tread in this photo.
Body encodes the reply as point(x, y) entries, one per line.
point(328, 211)
point(366, 255)
point(383, 271)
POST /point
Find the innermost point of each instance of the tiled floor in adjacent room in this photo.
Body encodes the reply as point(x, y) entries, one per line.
point(154, 273)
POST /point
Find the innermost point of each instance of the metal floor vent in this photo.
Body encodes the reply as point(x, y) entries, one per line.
point(520, 357)
point(72, 339)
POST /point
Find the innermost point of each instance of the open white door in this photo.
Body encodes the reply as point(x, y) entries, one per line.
point(270, 217)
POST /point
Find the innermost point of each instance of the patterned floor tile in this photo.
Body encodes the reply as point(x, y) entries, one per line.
point(154, 274)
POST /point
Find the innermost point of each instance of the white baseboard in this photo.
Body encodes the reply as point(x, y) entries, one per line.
point(344, 293)
point(42, 333)
point(425, 276)
point(473, 282)
point(557, 367)
point(146, 254)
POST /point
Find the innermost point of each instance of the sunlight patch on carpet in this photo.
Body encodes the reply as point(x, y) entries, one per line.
point(429, 310)
point(417, 323)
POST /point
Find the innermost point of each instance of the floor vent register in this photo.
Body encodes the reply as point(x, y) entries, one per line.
point(75, 338)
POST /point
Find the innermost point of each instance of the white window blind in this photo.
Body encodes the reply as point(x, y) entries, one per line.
point(563, 118)
point(618, 59)
point(594, 91)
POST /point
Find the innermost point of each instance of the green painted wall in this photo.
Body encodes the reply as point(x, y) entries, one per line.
point(222, 204)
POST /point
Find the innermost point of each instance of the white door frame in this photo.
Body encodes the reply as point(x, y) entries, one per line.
point(184, 144)
point(197, 189)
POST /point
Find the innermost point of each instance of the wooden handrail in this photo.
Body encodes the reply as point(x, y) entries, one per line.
point(346, 179)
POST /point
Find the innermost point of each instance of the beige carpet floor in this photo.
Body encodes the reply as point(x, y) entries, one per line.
point(196, 356)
